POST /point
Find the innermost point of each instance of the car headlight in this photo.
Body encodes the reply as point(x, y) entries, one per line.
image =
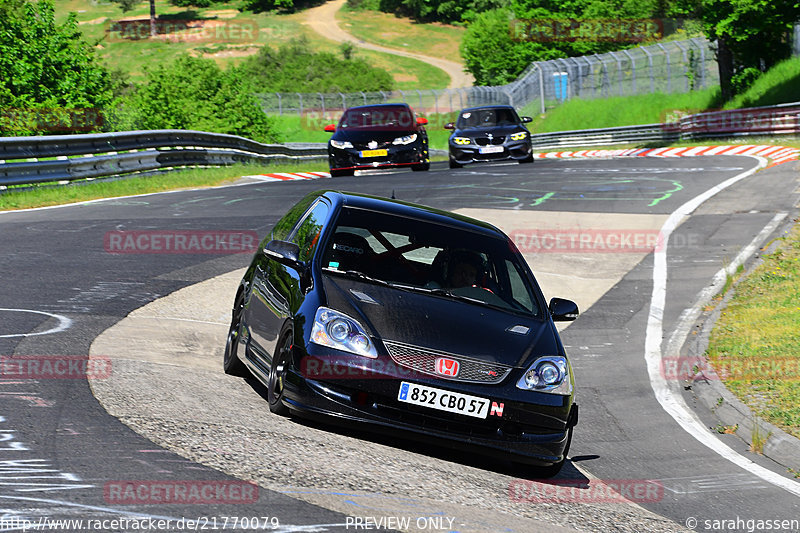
point(337, 330)
point(341, 144)
point(547, 374)
point(461, 140)
point(408, 139)
point(520, 135)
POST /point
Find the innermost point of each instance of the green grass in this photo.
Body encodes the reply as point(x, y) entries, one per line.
point(755, 344)
point(780, 84)
point(385, 29)
point(618, 111)
point(180, 179)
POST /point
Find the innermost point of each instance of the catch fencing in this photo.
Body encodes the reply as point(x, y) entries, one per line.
point(671, 67)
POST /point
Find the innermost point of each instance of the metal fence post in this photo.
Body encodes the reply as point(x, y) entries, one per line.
point(650, 64)
point(685, 62)
point(669, 67)
point(633, 70)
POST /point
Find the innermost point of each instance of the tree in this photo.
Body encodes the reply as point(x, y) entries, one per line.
point(46, 67)
point(127, 5)
point(194, 93)
point(749, 34)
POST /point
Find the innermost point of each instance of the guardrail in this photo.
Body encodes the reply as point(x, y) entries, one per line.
point(781, 119)
point(605, 136)
point(28, 160)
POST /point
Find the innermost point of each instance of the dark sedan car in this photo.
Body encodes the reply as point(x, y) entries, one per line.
point(403, 318)
point(489, 133)
point(377, 136)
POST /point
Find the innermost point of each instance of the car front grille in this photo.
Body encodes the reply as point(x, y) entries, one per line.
point(364, 146)
point(485, 141)
point(423, 360)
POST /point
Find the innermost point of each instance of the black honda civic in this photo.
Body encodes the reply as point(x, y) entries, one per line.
point(377, 136)
point(489, 133)
point(396, 317)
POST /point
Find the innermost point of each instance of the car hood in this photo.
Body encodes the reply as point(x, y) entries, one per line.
point(363, 136)
point(494, 130)
point(441, 323)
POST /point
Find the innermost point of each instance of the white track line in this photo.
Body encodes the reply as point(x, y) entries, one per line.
point(63, 323)
point(669, 398)
point(690, 315)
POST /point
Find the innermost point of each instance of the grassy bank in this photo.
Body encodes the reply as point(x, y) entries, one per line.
point(619, 111)
point(776, 86)
point(402, 33)
point(755, 344)
point(228, 45)
point(43, 196)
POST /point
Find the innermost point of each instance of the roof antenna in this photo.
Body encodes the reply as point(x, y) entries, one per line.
point(393, 198)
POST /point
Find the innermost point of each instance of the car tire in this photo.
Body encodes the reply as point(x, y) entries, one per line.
point(421, 167)
point(231, 363)
point(277, 373)
point(528, 159)
point(454, 164)
point(342, 172)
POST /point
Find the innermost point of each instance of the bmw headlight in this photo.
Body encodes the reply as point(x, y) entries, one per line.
point(337, 330)
point(547, 374)
point(519, 136)
point(461, 140)
point(408, 139)
point(341, 144)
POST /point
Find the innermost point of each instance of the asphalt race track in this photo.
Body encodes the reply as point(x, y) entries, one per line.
point(62, 455)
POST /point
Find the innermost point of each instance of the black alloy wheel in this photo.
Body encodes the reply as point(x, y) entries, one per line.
point(280, 361)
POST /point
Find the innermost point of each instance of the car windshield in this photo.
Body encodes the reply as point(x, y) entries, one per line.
point(427, 257)
point(378, 117)
point(487, 118)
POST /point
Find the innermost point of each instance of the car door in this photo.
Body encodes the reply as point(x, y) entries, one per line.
point(278, 290)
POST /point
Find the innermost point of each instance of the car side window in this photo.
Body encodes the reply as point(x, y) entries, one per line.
point(284, 227)
point(519, 289)
point(306, 234)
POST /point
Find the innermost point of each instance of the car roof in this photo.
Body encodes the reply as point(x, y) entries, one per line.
point(411, 210)
point(498, 106)
point(378, 106)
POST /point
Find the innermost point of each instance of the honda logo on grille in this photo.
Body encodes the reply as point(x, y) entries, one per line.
point(447, 367)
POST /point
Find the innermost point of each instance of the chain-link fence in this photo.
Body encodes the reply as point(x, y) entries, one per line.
point(677, 66)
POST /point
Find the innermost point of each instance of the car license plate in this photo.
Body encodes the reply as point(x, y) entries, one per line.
point(374, 153)
point(491, 149)
point(443, 400)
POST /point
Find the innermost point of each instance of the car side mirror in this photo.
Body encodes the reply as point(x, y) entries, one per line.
point(421, 121)
point(285, 253)
point(449, 126)
point(563, 310)
point(330, 128)
point(526, 119)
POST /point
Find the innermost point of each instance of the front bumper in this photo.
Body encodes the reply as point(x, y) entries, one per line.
point(360, 159)
point(533, 427)
point(469, 153)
